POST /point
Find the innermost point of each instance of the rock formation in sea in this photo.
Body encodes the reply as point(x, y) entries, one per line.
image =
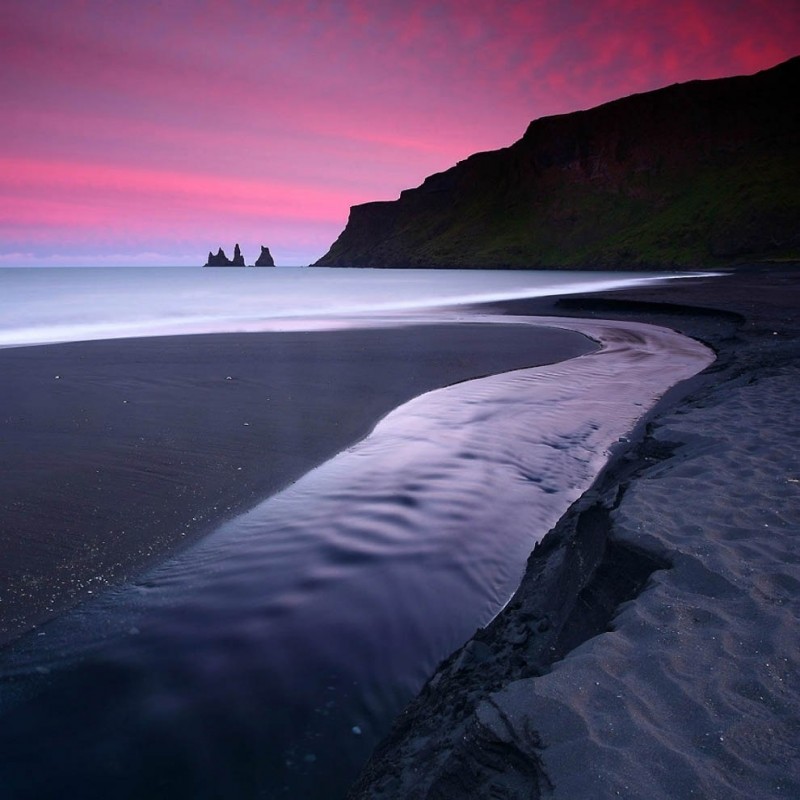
point(705, 173)
point(221, 260)
point(265, 259)
point(218, 260)
point(238, 258)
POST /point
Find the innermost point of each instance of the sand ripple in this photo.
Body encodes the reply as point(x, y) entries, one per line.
point(695, 693)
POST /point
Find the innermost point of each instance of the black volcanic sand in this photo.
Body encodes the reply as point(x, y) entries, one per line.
point(653, 648)
point(115, 453)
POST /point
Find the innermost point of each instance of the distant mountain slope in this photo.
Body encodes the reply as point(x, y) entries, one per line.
point(701, 173)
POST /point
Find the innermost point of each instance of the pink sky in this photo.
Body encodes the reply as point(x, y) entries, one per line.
point(151, 132)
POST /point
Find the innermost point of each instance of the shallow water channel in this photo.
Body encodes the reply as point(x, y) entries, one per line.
point(269, 659)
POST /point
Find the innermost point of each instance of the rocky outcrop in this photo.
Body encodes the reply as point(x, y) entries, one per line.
point(697, 174)
point(221, 260)
point(265, 259)
point(238, 258)
point(218, 260)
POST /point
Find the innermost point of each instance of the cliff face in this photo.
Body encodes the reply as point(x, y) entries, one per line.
point(702, 173)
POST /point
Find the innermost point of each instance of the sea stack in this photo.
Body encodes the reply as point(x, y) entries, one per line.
point(265, 259)
point(221, 260)
point(238, 258)
point(218, 260)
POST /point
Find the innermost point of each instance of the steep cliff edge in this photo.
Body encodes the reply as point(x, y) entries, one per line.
point(701, 173)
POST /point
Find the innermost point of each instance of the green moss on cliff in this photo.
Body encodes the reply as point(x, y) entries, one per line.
point(701, 174)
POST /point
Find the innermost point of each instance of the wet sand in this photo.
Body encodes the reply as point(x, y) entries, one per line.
point(117, 453)
point(653, 647)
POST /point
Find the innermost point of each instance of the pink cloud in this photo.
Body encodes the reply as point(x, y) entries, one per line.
point(212, 194)
point(185, 113)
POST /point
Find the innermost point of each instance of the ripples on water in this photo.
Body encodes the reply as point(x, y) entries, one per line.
point(269, 659)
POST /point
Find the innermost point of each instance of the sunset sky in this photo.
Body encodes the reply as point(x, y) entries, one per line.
point(150, 132)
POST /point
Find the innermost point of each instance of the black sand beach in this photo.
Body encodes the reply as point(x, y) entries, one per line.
point(117, 452)
point(653, 647)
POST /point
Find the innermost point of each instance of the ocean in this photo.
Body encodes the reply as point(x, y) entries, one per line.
point(48, 304)
point(268, 659)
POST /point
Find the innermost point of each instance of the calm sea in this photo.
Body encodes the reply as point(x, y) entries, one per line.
point(42, 305)
point(269, 659)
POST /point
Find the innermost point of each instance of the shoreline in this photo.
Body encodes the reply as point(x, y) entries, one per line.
point(652, 647)
point(534, 438)
point(127, 450)
point(521, 727)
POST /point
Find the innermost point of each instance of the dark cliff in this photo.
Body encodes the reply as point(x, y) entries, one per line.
point(705, 173)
